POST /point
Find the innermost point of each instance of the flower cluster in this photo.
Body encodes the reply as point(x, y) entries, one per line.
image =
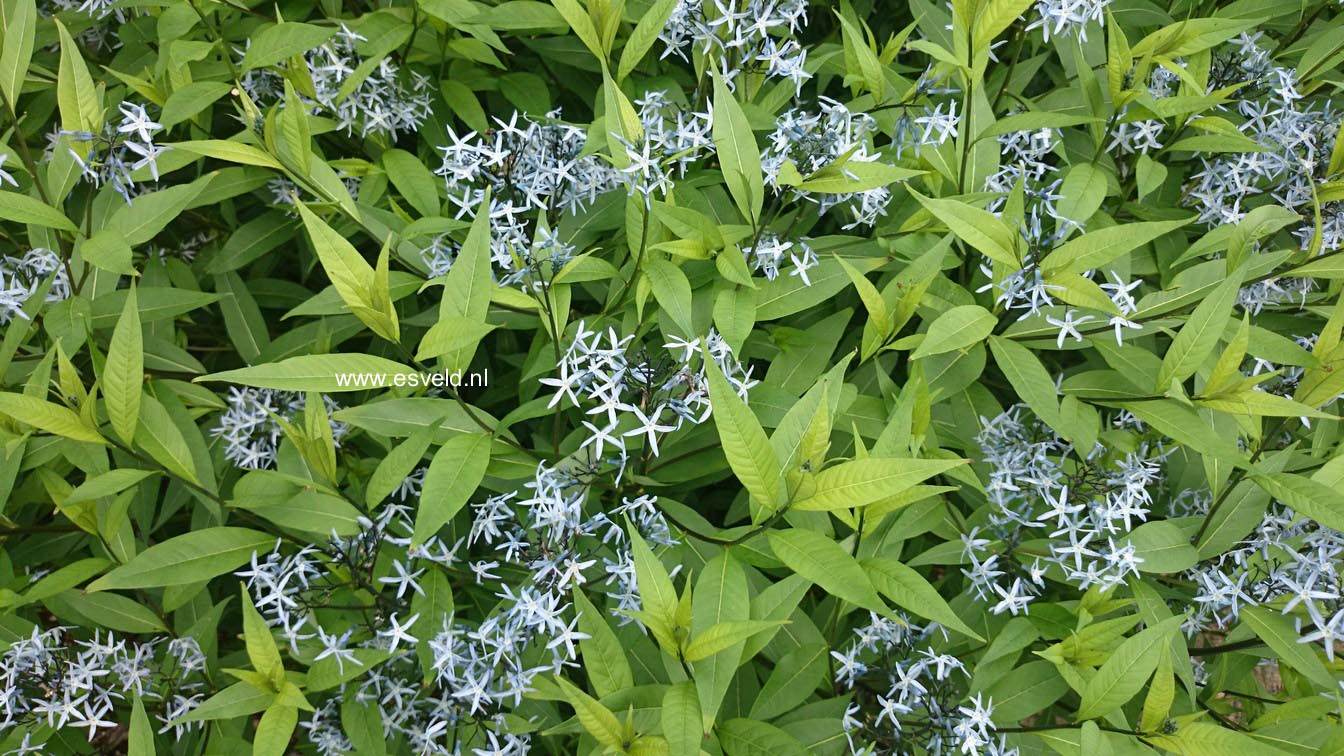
point(381, 101)
point(832, 135)
point(908, 696)
point(632, 393)
point(21, 277)
point(111, 156)
point(1085, 500)
point(753, 38)
point(251, 427)
point(54, 679)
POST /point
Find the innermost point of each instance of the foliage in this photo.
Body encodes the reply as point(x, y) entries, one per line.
point(671, 377)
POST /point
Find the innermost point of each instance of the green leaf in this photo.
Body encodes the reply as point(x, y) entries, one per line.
point(739, 157)
point(595, 718)
point(721, 599)
point(277, 42)
point(681, 720)
point(262, 652)
point(854, 176)
point(49, 417)
point(744, 444)
point(106, 484)
point(578, 19)
point(794, 679)
point(642, 39)
point(109, 610)
point(327, 373)
point(124, 371)
point(1198, 337)
point(656, 593)
point(238, 700)
point(1163, 547)
point(351, 276)
point(1278, 632)
point(908, 589)
point(398, 464)
point(747, 737)
point(1322, 503)
point(1125, 671)
point(467, 288)
point(363, 726)
point(18, 26)
point(81, 104)
point(451, 335)
point(1097, 248)
point(107, 249)
point(957, 328)
point(603, 655)
point(1083, 190)
point(148, 214)
point(453, 475)
point(1161, 692)
point(723, 636)
point(982, 230)
point(275, 730)
point(672, 290)
point(188, 558)
point(415, 182)
point(995, 18)
point(860, 482)
point(21, 208)
point(1029, 379)
point(822, 561)
point(140, 739)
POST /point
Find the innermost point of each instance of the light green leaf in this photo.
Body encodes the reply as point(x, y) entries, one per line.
point(413, 179)
point(603, 655)
point(188, 558)
point(49, 417)
point(140, 739)
point(822, 561)
point(124, 371)
point(739, 157)
point(351, 275)
point(106, 484)
point(646, 33)
point(744, 444)
point(1081, 194)
point(595, 718)
point(327, 373)
point(957, 328)
point(1096, 248)
point(277, 42)
point(18, 26)
point(909, 590)
point(681, 720)
point(982, 230)
point(21, 208)
point(1198, 337)
point(1278, 632)
point(274, 730)
point(672, 290)
point(80, 102)
point(1322, 503)
point(1163, 547)
point(453, 475)
point(860, 482)
point(1125, 671)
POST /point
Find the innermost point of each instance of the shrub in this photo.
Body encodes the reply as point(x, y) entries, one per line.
point(672, 376)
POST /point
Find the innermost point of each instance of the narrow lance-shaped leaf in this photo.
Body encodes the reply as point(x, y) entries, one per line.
point(744, 444)
point(739, 157)
point(124, 371)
